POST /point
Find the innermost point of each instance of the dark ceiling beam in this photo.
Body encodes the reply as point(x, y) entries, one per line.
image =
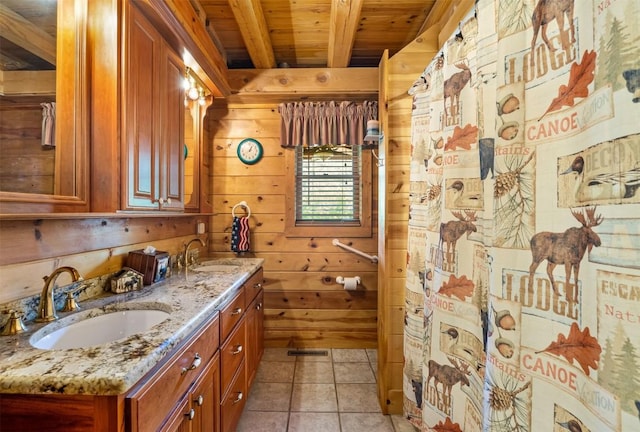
point(15, 28)
point(436, 14)
point(202, 14)
point(345, 16)
point(255, 33)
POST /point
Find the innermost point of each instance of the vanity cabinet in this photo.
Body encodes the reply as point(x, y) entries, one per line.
point(182, 389)
point(233, 389)
point(199, 410)
point(152, 119)
point(254, 297)
point(202, 385)
point(241, 347)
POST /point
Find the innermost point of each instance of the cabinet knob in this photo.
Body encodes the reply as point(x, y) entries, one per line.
point(196, 362)
point(257, 286)
point(168, 200)
point(191, 414)
point(238, 350)
point(160, 200)
point(199, 401)
point(239, 398)
point(237, 311)
point(258, 306)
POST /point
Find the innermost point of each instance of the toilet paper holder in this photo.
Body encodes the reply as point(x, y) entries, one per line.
point(348, 282)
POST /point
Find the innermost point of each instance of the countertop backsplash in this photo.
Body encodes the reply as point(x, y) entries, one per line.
point(27, 307)
point(86, 289)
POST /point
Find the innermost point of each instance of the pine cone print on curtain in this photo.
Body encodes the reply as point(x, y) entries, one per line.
point(523, 234)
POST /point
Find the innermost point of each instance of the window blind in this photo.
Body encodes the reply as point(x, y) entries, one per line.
point(328, 187)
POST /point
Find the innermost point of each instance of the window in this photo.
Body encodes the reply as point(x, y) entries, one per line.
point(330, 193)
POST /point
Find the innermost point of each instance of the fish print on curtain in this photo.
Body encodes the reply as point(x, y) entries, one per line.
point(523, 274)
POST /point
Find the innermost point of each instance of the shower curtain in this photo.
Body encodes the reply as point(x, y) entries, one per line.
point(523, 264)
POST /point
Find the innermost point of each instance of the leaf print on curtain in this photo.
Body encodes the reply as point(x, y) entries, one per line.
point(523, 262)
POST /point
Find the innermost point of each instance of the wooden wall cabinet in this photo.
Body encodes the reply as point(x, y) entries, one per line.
point(197, 159)
point(152, 119)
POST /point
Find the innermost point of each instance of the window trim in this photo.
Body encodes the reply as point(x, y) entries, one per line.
point(328, 229)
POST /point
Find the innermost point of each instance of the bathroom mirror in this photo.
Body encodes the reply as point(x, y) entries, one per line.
point(43, 60)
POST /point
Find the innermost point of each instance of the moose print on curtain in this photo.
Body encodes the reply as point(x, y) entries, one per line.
point(523, 268)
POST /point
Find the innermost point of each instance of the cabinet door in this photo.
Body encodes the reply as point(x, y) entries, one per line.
point(181, 419)
point(233, 401)
point(255, 337)
point(205, 399)
point(140, 113)
point(153, 119)
point(172, 138)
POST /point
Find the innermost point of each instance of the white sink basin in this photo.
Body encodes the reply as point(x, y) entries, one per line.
point(216, 268)
point(96, 330)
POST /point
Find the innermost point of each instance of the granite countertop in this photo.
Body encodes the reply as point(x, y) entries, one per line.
point(113, 368)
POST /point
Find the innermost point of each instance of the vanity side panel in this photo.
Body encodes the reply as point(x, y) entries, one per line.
point(61, 413)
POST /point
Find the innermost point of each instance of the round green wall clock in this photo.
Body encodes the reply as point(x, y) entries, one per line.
point(250, 151)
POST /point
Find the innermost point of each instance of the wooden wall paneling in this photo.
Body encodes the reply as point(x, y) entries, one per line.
point(25, 166)
point(283, 281)
point(262, 222)
point(397, 234)
point(320, 319)
point(317, 311)
point(259, 204)
point(334, 299)
point(237, 185)
point(278, 242)
point(383, 292)
point(321, 338)
point(231, 166)
point(325, 279)
point(49, 238)
point(25, 279)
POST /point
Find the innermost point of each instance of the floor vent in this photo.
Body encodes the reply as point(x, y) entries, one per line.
point(320, 353)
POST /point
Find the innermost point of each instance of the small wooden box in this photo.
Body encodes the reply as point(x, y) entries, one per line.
point(152, 266)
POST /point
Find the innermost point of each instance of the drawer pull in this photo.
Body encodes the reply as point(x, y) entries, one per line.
point(236, 311)
point(196, 362)
point(257, 286)
point(199, 401)
point(191, 414)
point(239, 398)
point(238, 350)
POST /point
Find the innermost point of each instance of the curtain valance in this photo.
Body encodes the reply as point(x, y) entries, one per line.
point(322, 123)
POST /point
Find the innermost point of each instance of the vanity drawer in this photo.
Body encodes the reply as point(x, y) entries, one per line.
point(155, 396)
point(233, 402)
point(232, 353)
point(252, 287)
point(231, 314)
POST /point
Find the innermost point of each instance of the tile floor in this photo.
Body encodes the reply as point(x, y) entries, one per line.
point(332, 393)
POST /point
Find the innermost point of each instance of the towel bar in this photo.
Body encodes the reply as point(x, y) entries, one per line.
point(373, 258)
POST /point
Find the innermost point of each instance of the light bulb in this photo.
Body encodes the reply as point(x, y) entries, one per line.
point(192, 93)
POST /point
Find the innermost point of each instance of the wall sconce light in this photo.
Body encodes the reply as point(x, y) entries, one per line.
point(193, 91)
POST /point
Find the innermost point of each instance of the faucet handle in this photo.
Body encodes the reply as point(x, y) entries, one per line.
point(14, 325)
point(70, 304)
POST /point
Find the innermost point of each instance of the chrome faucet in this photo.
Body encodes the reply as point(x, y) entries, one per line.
point(46, 309)
point(186, 250)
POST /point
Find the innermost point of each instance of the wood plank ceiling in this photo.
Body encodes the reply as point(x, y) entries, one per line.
point(267, 34)
point(260, 34)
